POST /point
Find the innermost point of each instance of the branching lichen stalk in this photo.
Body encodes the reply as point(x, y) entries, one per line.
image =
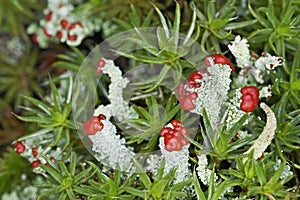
point(265, 138)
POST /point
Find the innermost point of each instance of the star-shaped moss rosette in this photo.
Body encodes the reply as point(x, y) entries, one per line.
point(14, 15)
point(19, 78)
point(163, 45)
point(55, 127)
point(217, 23)
point(276, 30)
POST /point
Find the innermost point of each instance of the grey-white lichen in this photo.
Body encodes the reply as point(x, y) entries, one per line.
point(252, 67)
point(213, 93)
point(233, 112)
point(203, 172)
point(265, 138)
point(267, 61)
point(179, 159)
point(62, 24)
point(110, 148)
point(118, 107)
point(240, 49)
point(286, 171)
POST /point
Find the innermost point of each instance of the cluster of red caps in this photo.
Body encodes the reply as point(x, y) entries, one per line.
point(100, 64)
point(65, 26)
point(218, 59)
point(94, 124)
point(250, 98)
point(185, 97)
point(250, 94)
point(20, 148)
point(174, 138)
